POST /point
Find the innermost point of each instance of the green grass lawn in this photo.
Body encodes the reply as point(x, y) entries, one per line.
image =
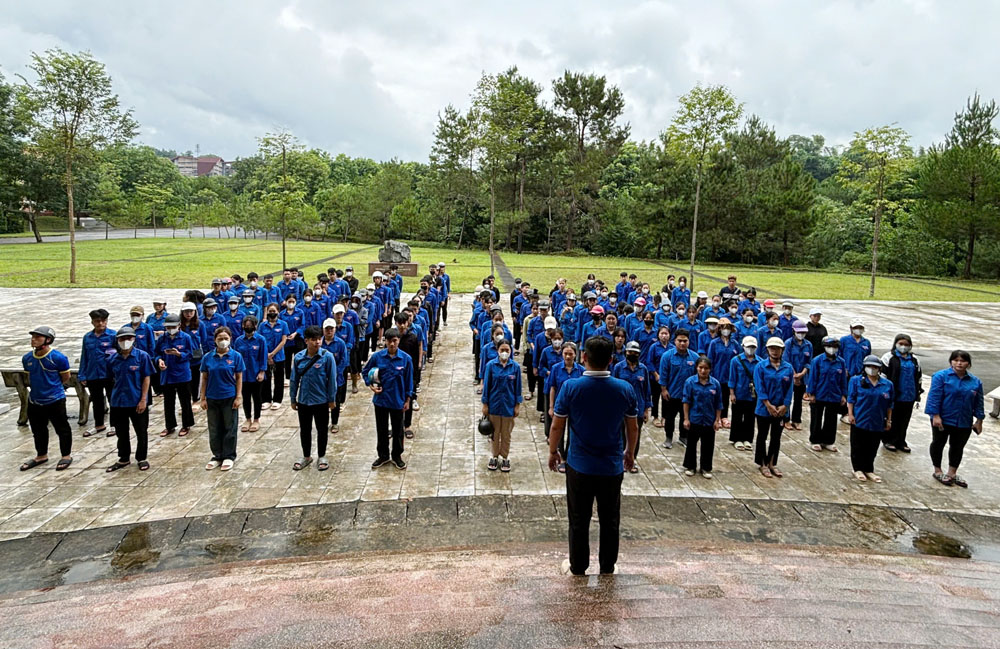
point(184, 263)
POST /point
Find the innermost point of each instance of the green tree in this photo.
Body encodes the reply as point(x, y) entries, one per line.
point(877, 158)
point(340, 206)
point(281, 194)
point(705, 114)
point(452, 184)
point(75, 114)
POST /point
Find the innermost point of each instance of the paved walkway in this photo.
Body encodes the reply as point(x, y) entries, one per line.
point(447, 458)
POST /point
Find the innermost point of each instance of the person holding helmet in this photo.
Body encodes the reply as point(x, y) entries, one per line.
point(955, 398)
point(816, 331)
point(702, 417)
point(773, 380)
point(93, 374)
point(48, 374)
point(721, 351)
point(312, 391)
point(826, 391)
point(798, 352)
point(869, 411)
point(391, 385)
point(902, 368)
point(131, 369)
point(253, 348)
point(172, 357)
point(743, 394)
point(676, 367)
point(632, 371)
point(501, 403)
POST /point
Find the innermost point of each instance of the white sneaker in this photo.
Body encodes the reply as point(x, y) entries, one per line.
point(265, 406)
point(707, 475)
point(564, 568)
point(275, 406)
point(688, 472)
point(214, 464)
point(227, 465)
point(415, 406)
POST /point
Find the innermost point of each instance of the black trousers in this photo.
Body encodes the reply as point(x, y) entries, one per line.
point(823, 417)
point(517, 334)
point(581, 491)
point(120, 419)
point(725, 401)
point(672, 410)
point(767, 454)
point(273, 388)
point(444, 310)
point(956, 438)
point(251, 399)
point(194, 385)
point(291, 348)
point(705, 435)
point(172, 392)
point(475, 355)
point(320, 414)
point(356, 358)
point(902, 411)
point(532, 379)
point(798, 392)
point(39, 418)
point(341, 398)
point(656, 396)
point(864, 447)
point(384, 419)
point(154, 384)
point(100, 395)
point(741, 423)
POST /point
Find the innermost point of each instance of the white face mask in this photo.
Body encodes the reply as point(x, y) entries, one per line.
point(612, 300)
point(504, 356)
point(732, 310)
point(748, 319)
point(126, 344)
point(788, 311)
point(348, 273)
point(666, 307)
point(223, 343)
point(800, 336)
point(557, 344)
point(872, 371)
point(136, 319)
point(645, 291)
point(498, 339)
point(253, 284)
point(682, 284)
point(712, 326)
point(291, 306)
point(604, 295)
point(716, 305)
point(725, 333)
point(308, 299)
point(248, 299)
point(171, 330)
point(903, 349)
point(750, 351)
point(832, 351)
point(680, 313)
point(857, 331)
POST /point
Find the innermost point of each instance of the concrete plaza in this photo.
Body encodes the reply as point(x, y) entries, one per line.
point(448, 458)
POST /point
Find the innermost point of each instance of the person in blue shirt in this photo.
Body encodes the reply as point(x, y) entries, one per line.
point(676, 366)
point(392, 386)
point(854, 347)
point(750, 302)
point(902, 368)
point(954, 399)
point(869, 411)
point(688, 320)
point(202, 344)
point(773, 380)
point(743, 394)
point(131, 369)
point(268, 293)
point(623, 288)
point(619, 338)
point(221, 386)
point(747, 324)
point(249, 307)
point(702, 417)
point(714, 310)
point(98, 345)
point(826, 391)
point(211, 319)
point(172, 357)
point(145, 339)
point(652, 361)
point(710, 333)
point(786, 320)
point(294, 319)
point(765, 313)
point(569, 320)
point(768, 330)
point(334, 344)
point(159, 314)
point(632, 371)
point(645, 335)
point(253, 348)
point(568, 369)
point(312, 391)
point(313, 310)
point(681, 294)
point(798, 352)
point(275, 333)
point(721, 350)
point(48, 374)
point(489, 351)
point(598, 408)
point(233, 317)
point(446, 292)
point(501, 403)
point(288, 286)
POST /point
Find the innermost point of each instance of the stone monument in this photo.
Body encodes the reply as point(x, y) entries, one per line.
point(394, 252)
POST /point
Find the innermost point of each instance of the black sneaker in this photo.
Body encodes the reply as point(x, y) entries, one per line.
point(380, 461)
point(493, 464)
point(682, 441)
point(399, 463)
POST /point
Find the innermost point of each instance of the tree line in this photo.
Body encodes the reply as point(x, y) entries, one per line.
point(518, 173)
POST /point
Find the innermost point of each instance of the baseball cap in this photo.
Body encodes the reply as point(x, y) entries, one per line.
point(815, 311)
point(329, 322)
point(550, 323)
point(338, 308)
point(749, 341)
point(774, 341)
point(769, 303)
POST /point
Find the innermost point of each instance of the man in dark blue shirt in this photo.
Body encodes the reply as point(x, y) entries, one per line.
point(598, 407)
point(130, 371)
point(48, 371)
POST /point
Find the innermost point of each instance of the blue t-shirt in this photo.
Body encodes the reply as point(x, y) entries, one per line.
point(314, 378)
point(395, 375)
point(871, 402)
point(827, 378)
point(272, 333)
point(254, 353)
point(128, 374)
point(502, 387)
point(639, 378)
point(675, 368)
point(222, 370)
point(178, 367)
point(44, 375)
point(596, 406)
point(773, 385)
point(704, 400)
point(956, 400)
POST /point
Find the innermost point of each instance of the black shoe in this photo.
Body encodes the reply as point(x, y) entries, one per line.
point(890, 447)
point(399, 463)
point(682, 441)
point(905, 449)
point(380, 461)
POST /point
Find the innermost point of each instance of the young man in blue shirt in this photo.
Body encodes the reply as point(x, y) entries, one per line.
point(639, 377)
point(313, 393)
point(98, 345)
point(826, 391)
point(602, 411)
point(172, 357)
point(131, 369)
point(392, 387)
point(676, 366)
point(48, 371)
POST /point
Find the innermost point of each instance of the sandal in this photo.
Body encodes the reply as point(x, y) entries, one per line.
point(32, 463)
point(943, 478)
point(323, 464)
point(776, 473)
point(144, 465)
point(245, 428)
point(165, 432)
point(255, 426)
point(117, 465)
point(408, 434)
point(94, 431)
point(874, 478)
point(766, 472)
point(860, 475)
point(183, 432)
point(111, 432)
point(959, 482)
point(890, 448)
point(816, 447)
point(63, 464)
point(634, 469)
point(301, 464)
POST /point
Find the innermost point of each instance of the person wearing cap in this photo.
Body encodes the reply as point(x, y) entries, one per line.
point(253, 348)
point(216, 293)
point(345, 331)
point(595, 327)
point(248, 307)
point(768, 330)
point(700, 304)
point(787, 319)
point(635, 373)
point(773, 381)
point(798, 352)
point(902, 368)
point(681, 294)
point(869, 412)
point(743, 394)
point(411, 342)
point(172, 357)
point(312, 391)
point(48, 374)
point(569, 320)
point(706, 337)
point(233, 316)
point(352, 282)
point(749, 301)
point(391, 384)
point(93, 374)
point(201, 343)
point(370, 307)
point(765, 313)
point(501, 403)
point(721, 351)
point(221, 389)
point(955, 398)
point(211, 318)
point(664, 315)
point(145, 339)
point(131, 369)
point(332, 343)
point(854, 347)
point(815, 331)
point(826, 391)
point(676, 366)
point(156, 318)
point(702, 417)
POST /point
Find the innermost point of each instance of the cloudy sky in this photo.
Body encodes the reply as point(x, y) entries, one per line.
point(368, 79)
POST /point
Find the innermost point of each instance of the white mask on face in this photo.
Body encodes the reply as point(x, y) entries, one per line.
point(645, 291)
point(126, 344)
point(732, 310)
point(871, 371)
point(612, 300)
point(136, 319)
point(253, 284)
point(725, 332)
point(788, 311)
point(248, 299)
point(556, 344)
point(748, 319)
point(857, 331)
point(497, 339)
point(666, 307)
point(800, 336)
point(750, 351)
point(504, 356)
point(348, 273)
point(171, 330)
point(832, 351)
point(716, 305)
point(712, 326)
point(903, 349)
point(223, 343)
point(308, 299)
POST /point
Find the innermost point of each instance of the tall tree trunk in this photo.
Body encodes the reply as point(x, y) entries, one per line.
point(694, 226)
point(784, 244)
point(569, 222)
point(659, 247)
point(461, 230)
point(520, 224)
point(967, 273)
point(33, 222)
point(72, 221)
point(492, 220)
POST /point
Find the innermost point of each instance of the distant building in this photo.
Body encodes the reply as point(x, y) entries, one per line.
point(206, 165)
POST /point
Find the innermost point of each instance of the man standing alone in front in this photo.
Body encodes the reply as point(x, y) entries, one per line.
point(598, 407)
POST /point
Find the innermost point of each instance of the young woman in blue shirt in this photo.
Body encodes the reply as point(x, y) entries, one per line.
point(702, 417)
point(953, 401)
point(221, 389)
point(869, 412)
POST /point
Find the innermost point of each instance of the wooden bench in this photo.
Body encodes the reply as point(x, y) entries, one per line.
point(18, 379)
point(995, 395)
